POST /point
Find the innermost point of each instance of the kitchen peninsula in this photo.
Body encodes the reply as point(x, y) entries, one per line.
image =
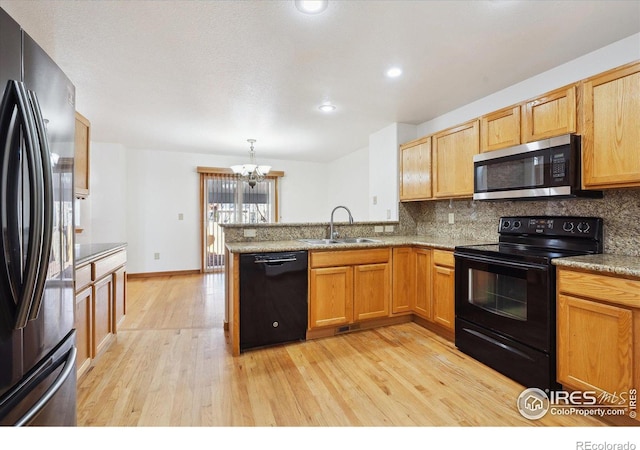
point(391, 278)
point(101, 291)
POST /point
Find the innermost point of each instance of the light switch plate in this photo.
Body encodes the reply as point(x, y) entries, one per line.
point(378, 229)
point(451, 218)
point(388, 228)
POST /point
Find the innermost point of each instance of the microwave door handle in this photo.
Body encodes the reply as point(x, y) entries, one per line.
point(34, 247)
point(46, 205)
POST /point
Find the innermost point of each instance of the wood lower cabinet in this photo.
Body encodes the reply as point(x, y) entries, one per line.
point(443, 281)
point(102, 313)
point(598, 332)
point(331, 296)
point(611, 135)
point(348, 286)
point(423, 304)
point(120, 296)
point(415, 170)
point(101, 287)
point(404, 280)
point(84, 331)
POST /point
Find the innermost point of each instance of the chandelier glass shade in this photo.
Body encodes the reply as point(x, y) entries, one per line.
point(252, 173)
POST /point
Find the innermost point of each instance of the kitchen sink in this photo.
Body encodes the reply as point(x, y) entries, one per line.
point(339, 241)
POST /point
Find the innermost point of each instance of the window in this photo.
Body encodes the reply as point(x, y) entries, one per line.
point(227, 199)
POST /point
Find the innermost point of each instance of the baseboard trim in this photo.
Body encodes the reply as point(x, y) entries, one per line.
point(163, 274)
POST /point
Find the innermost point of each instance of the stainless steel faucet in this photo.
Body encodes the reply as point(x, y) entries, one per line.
point(334, 234)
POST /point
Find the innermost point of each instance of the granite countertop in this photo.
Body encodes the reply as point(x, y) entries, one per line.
point(606, 263)
point(88, 252)
point(440, 242)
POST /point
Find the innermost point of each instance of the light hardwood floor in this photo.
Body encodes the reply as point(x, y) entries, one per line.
point(170, 366)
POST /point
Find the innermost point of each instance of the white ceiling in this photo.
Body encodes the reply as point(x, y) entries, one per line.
point(204, 76)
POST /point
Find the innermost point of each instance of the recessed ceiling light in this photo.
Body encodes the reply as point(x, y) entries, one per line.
point(311, 6)
point(327, 107)
point(394, 72)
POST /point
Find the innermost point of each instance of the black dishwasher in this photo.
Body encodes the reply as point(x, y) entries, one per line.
point(273, 298)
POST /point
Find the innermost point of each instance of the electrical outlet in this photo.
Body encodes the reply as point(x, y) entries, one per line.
point(388, 228)
point(375, 199)
point(388, 214)
point(180, 216)
point(250, 233)
point(156, 256)
point(378, 229)
point(451, 218)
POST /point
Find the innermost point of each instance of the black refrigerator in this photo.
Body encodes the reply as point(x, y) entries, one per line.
point(37, 336)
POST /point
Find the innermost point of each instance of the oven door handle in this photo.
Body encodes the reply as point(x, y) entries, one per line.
point(501, 262)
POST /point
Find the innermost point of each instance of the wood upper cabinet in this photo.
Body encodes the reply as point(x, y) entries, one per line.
point(443, 279)
point(611, 130)
point(551, 115)
point(500, 129)
point(82, 156)
point(415, 170)
point(453, 152)
point(349, 286)
point(404, 280)
point(598, 337)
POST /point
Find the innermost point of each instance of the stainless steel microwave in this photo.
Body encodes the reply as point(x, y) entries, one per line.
point(546, 168)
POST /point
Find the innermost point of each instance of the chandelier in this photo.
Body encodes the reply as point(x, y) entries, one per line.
point(251, 173)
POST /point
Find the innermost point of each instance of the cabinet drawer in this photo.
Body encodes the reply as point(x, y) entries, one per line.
point(83, 277)
point(620, 291)
point(349, 257)
point(443, 258)
point(108, 264)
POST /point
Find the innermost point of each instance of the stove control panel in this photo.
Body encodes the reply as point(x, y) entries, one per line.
point(583, 227)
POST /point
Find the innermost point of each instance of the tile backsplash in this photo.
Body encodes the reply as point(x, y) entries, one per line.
point(619, 209)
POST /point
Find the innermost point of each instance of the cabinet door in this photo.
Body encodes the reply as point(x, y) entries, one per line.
point(81, 160)
point(415, 170)
point(102, 313)
point(594, 345)
point(330, 296)
point(423, 283)
point(553, 114)
point(404, 280)
point(453, 152)
point(372, 291)
point(611, 138)
point(500, 129)
point(83, 319)
point(443, 296)
point(119, 297)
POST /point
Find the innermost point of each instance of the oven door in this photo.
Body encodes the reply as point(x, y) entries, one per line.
point(514, 299)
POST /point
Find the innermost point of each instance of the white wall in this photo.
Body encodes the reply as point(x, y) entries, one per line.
point(614, 55)
point(162, 185)
point(348, 185)
point(383, 170)
point(102, 213)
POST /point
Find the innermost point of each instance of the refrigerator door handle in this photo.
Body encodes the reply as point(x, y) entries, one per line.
point(51, 391)
point(21, 281)
point(46, 206)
